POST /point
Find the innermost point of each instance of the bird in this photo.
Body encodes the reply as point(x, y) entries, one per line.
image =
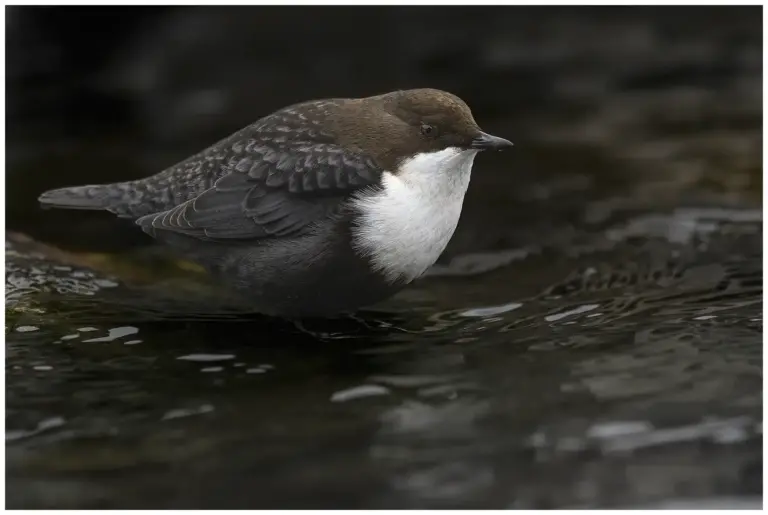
point(321, 208)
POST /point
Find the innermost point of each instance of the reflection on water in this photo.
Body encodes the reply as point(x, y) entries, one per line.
point(592, 337)
point(621, 376)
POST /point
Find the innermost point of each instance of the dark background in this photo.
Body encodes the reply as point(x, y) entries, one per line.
point(100, 94)
point(621, 287)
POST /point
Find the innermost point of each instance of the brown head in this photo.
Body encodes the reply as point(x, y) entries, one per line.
point(398, 125)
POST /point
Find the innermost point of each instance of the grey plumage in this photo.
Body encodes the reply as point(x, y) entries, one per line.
point(273, 210)
point(250, 185)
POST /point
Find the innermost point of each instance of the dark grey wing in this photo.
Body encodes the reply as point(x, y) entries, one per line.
point(273, 189)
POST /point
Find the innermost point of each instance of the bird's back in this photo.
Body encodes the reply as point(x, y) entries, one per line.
point(187, 179)
point(165, 190)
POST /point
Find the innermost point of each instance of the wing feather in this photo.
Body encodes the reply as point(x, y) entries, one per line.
point(272, 192)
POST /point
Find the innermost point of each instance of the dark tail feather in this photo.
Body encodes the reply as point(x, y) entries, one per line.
point(78, 197)
point(110, 197)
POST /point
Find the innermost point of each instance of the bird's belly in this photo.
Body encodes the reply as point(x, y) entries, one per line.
point(404, 234)
point(404, 227)
point(314, 276)
point(407, 246)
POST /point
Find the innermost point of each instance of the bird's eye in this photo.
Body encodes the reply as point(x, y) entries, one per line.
point(427, 130)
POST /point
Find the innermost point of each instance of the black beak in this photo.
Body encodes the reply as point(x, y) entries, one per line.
point(487, 142)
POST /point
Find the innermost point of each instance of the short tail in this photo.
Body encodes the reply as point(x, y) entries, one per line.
point(78, 197)
point(108, 197)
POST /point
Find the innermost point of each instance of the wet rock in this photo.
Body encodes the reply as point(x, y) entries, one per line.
point(44, 282)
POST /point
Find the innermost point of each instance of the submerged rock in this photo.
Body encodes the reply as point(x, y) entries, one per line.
point(42, 280)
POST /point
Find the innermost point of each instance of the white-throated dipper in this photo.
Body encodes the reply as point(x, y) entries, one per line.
point(319, 208)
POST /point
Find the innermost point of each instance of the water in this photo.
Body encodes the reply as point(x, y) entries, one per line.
point(591, 338)
point(624, 371)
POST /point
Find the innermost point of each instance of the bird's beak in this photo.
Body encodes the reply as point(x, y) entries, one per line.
point(487, 142)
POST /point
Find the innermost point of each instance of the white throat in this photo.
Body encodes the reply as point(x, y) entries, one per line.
point(405, 227)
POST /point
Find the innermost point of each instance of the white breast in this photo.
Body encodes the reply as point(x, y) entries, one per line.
point(405, 227)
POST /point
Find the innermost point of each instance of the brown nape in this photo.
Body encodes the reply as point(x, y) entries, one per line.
point(389, 127)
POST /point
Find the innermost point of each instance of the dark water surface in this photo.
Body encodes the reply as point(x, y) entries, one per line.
point(591, 338)
point(621, 368)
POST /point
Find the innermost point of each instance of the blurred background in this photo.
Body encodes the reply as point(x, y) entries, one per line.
point(592, 336)
point(666, 96)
